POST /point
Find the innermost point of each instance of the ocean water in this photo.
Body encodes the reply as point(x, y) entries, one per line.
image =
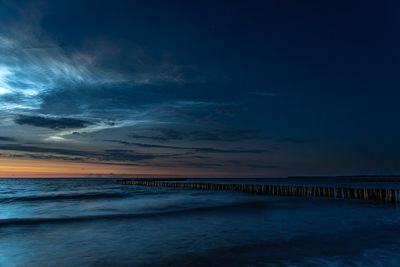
point(97, 222)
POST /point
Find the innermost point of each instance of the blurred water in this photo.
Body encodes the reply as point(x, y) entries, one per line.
point(85, 222)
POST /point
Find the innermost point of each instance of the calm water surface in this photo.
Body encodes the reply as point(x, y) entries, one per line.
point(86, 222)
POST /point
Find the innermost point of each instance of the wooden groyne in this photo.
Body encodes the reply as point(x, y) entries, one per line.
point(371, 194)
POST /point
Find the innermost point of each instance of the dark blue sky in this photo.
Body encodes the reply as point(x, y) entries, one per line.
point(201, 88)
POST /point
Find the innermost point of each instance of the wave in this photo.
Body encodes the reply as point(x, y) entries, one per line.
point(74, 196)
point(77, 219)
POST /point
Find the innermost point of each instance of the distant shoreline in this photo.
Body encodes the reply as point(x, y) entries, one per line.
point(361, 178)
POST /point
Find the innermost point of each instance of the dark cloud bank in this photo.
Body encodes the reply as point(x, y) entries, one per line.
point(51, 123)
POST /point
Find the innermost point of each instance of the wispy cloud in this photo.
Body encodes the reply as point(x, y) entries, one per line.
point(7, 139)
point(222, 135)
point(52, 123)
point(196, 149)
point(33, 64)
point(85, 156)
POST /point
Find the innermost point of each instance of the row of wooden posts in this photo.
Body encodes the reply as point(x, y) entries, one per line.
point(372, 194)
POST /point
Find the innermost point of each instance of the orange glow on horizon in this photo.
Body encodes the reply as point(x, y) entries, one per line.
point(26, 168)
point(30, 168)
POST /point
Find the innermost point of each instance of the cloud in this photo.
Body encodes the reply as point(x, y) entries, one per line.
point(33, 64)
point(166, 134)
point(7, 139)
point(38, 149)
point(110, 155)
point(52, 123)
point(196, 149)
point(212, 135)
point(41, 157)
point(125, 155)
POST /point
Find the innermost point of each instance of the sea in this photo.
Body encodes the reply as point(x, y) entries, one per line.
point(98, 222)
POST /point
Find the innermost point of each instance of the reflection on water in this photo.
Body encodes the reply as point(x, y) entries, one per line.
point(99, 223)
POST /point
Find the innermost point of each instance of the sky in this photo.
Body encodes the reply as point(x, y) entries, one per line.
point(199, 88)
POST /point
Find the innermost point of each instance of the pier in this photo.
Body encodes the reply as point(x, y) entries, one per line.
point(335, 192)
